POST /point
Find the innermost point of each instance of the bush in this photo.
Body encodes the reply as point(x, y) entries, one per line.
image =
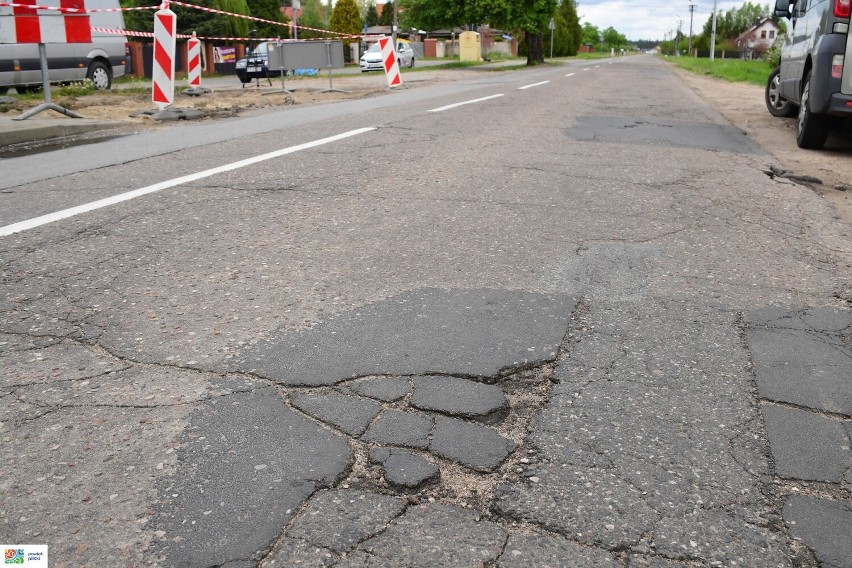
point(77, 89)
point(773, 56)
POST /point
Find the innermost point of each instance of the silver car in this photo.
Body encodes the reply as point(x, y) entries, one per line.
point(372, 58)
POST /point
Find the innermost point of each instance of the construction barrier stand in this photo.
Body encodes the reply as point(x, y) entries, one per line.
point(194, 57)
point(28, 22)
point(165, 28)
point(390, 62)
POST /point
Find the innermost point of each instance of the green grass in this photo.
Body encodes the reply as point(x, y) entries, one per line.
point(734, 70)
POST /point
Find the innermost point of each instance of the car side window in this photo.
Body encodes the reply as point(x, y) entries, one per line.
point(800, 8)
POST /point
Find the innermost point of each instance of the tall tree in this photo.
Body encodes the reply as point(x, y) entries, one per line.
point(532, 17)
point(311, 19)
point(268, 10)
point(371, 17)
point(613, 39)
point(591, 35)
point(569, 32)
point(386, 17)
point(346, 19)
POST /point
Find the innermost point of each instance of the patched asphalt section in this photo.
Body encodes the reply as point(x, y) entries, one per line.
point(807, 445)
point(801, 358)
point(245, 466)
point(657, 131)
point(825, 526)
point(803, 369)
point(427, 331)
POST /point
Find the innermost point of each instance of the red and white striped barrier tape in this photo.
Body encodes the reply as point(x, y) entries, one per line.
point(243, 16)
point(75, 10)
point(203, 38)
point(27, 24)
point(131, 33)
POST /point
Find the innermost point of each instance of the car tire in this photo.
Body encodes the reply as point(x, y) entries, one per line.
point(4, 90)
point(775, 103)
point(99, 73)
point(811, 128)
point(411, 65)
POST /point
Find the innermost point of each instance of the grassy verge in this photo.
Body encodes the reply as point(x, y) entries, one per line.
point(734, 70)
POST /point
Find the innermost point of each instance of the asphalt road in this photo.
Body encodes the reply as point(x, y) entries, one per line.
point(555, 317)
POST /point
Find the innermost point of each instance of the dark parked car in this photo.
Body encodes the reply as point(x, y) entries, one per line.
point(255, 64)
point(814, 81)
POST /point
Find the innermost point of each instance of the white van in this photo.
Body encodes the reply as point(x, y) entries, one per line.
point(106, 57)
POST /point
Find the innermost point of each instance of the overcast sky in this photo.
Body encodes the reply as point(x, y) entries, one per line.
point(648, 20)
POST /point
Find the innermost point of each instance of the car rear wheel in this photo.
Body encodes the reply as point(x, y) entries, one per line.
point(775, 103)
point(411, 65)
point(100, 75)
point(812, 129)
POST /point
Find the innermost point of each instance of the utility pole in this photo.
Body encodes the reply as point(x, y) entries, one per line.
point(395, 30)
point(713, 35)
point(297, 5)
point(691, 12)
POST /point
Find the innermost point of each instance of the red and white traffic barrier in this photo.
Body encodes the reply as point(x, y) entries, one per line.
point(194, 57)
point(165, 28)
point(28, 22)
point(390, 62)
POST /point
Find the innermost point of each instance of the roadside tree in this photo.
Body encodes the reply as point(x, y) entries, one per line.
point(371, 16)
point(529, 16)
point(268, 10)
point(568, 26)
point(311, 19)
point(613, 39)
point(386, 18)
point(346, 19)
point(591, 35)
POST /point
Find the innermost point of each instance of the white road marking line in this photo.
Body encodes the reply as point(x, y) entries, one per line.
point(106, 202)
point(587, 68)
point(570, 74)
point(448, 107)
point(533, 85)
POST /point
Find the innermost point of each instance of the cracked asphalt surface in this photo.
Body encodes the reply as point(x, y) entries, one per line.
point(578, 325)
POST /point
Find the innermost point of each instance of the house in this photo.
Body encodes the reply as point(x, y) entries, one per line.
point(758, 38)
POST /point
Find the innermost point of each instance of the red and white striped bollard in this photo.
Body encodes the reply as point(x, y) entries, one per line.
point(165, 28)
point(390, 62)
point(194, 57)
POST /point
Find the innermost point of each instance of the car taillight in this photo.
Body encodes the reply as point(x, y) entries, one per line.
point(842, 8)
point(127, 48)
point(837, 66)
